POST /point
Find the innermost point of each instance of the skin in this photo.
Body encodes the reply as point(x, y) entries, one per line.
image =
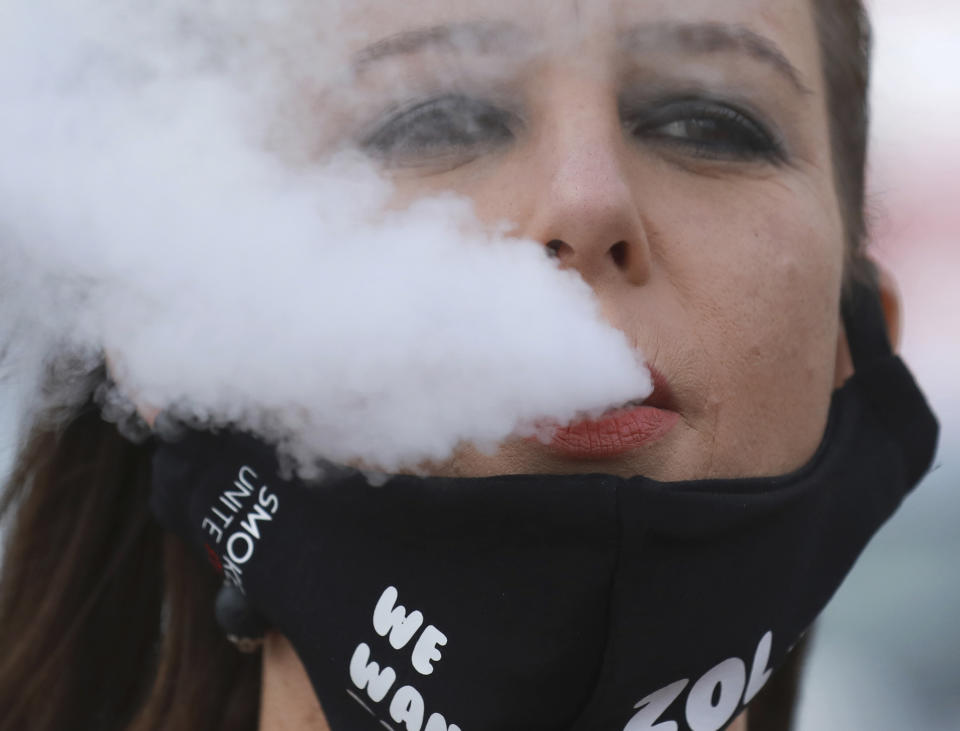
point(723, 268)
point(703, 261)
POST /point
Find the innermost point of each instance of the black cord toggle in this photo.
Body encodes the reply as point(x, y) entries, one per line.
point(242, 624)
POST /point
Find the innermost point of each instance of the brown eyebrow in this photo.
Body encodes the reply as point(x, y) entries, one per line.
point(714, 38)
point(477, 36)
point(487, 36)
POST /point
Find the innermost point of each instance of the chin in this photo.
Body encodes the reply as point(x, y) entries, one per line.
point(525, 457)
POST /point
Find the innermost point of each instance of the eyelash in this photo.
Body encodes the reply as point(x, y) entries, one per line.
point(461, 127)
point(440, 127)
point(743, 138)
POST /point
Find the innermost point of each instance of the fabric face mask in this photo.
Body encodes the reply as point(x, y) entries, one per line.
point(552, 603)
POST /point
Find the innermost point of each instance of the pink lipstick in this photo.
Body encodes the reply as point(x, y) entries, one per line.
point(621, 429)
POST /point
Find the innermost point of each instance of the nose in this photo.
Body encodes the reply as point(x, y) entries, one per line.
point(587, 213)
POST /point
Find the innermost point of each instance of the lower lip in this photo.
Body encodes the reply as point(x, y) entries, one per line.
point(615, 434)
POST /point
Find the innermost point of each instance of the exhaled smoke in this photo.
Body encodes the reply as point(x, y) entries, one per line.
point(165, 198)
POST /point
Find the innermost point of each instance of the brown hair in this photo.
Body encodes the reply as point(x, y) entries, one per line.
point(106, 624)
point(846, 42)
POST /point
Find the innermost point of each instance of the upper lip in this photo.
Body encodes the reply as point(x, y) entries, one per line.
point(660, 398)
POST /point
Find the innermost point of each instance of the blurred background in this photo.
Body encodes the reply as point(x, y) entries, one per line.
point(887, 651)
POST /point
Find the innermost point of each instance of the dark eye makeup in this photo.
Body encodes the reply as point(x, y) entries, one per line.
point(444, 126)
point(457, 128)
point(704, 128)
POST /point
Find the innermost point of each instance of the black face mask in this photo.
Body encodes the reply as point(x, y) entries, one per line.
point(550, 603)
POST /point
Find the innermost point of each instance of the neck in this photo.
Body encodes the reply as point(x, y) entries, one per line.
point(287, 700)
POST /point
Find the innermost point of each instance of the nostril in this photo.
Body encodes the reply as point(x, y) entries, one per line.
point(619, 254)
point(555, 248)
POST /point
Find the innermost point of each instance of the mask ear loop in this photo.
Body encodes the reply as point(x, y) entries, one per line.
point(865, 324)
point(909, 417)
point(242, 625)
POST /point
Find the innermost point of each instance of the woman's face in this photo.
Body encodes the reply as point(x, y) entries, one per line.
point(676, 153)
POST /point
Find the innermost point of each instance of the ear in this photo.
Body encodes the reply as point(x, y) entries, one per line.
point(147, 412)
point(892, 313)
point(892, 309)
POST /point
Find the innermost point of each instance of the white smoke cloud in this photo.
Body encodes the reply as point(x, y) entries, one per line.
point(158, 202)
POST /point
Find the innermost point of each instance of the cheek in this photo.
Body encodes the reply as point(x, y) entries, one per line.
point(762, 295)
point(746, 290)
point(772, 283)
point(500, 190)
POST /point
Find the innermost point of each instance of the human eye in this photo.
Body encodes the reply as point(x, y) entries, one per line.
point(707, 129)
point(446, 127)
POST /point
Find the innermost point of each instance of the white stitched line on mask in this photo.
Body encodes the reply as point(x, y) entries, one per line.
point(367, 709)
point(364, 705)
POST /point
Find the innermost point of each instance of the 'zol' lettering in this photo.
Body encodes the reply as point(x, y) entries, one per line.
point(713, 700)
point(760, 672)
point(653, 706)
point(729, 678)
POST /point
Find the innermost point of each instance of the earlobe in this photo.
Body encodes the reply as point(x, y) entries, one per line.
point(892, 307)
point(147, 412)
point(843, 368)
